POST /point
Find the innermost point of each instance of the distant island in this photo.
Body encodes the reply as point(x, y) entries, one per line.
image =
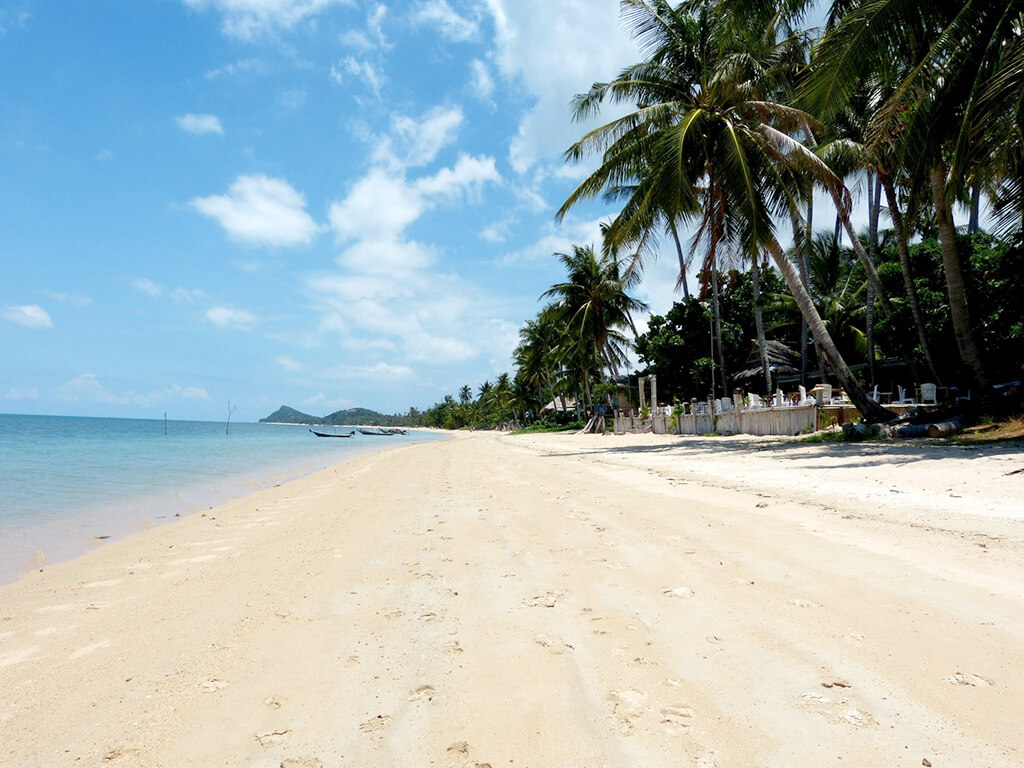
point(346, 417)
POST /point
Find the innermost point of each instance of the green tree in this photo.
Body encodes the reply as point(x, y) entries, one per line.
point(713, 136)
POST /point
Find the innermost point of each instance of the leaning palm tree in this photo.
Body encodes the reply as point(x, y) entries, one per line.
point(711, 140)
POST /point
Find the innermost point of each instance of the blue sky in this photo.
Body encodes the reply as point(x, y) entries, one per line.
point(323, 203)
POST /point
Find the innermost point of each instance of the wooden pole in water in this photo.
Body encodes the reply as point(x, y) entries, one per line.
point(165, 422)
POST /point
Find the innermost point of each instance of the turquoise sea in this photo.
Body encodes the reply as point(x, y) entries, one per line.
point(68, 483)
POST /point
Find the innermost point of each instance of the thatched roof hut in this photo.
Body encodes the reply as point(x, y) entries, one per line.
point(784, 362)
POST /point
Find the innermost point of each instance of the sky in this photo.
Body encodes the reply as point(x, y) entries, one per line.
point(318, 203)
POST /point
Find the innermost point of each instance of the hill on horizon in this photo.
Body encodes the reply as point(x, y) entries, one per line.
point(345, 417)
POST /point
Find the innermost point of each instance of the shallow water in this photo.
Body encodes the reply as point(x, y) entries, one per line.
point(69, 483)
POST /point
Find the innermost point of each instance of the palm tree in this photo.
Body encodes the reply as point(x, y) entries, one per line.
point(962, 67)
point(535, 354)
point(713, 141)
point(593, 303)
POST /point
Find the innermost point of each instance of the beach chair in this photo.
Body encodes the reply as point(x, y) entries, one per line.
point(929, 394)
point(874, 393)
point(826, 394)
point(904, 398)
point(754, 399)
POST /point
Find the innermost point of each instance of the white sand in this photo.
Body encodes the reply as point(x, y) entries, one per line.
point(546, 601)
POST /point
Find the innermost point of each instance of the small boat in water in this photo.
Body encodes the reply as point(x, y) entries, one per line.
point(378, 431)
point(326, 434)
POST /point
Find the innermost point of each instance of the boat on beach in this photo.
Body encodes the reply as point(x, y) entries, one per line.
point(376, 431)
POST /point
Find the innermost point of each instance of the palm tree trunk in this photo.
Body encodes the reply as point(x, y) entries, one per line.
point(805, 268)
point(896, 216)
point(955, 287)
point(874, 195)
point(843, 215)
point(869, 409)
point(682, 262)
point(762, 346)
point(973, 222)
point(716, 308)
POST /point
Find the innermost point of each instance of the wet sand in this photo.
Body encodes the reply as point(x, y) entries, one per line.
point(546, 601)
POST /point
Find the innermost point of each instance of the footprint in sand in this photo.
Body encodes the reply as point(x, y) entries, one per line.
point(682, 592)
point(968, 678)
point(272, 738)
point(273, 702)
point(547, 600)
point(301, 762)
point(798, 603)
point(838, 710)
point(627, 705)
point(453, 647)
point(555, 645)
point(423, 693)
point(679, 717)
point(375, 726)
point(211, 686)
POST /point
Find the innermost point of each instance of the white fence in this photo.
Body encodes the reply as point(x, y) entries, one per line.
point(786, 420)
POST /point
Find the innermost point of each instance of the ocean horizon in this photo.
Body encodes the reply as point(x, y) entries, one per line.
point(69, 483)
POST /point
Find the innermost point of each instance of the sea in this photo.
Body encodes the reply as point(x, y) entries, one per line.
point(68, 484)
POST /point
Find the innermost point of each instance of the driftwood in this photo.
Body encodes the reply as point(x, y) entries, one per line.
point(943, 428)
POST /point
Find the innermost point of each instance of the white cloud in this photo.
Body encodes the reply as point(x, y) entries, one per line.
point(425, 137)
point(146, 286)
point(22, 393)
point(482, 82)
point(252, 19)
point(375, 20)
point(288, 364)
point(291, 99)
point(439, 14)
point(558, 238)
point(378, 206)
point(226, 317)
point(260, 211)
point(554, 51)
point(200, 124)
point(495, 233)
point(353, 38)
point(74, 299)
point(187, 295)
point(378, 371)
point(30, 316)
point(468, 175)
point(320, 400)
point(387, 305)
point(350, 68)
point(88, 387)
point(240, 67)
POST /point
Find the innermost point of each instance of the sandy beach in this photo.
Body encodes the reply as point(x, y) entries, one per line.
point(547, 601)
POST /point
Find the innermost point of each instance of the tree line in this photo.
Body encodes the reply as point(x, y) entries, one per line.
point(736, 116)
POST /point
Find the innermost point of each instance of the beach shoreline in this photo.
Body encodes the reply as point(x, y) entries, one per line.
point(546, 600)
point(81, 507)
